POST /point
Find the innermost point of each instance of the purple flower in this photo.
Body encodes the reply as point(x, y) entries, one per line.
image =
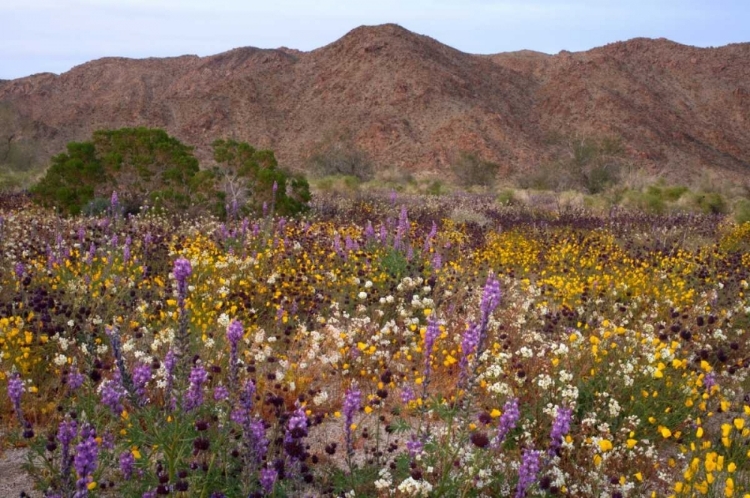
point(508, 421)
point(114, 200)
point(437, 261)
point(528, 470)
point(709, 381)
point(407, 395)
point(268, 479)
point(257, 433)
point(469, 343)
point(194, 395)
point(85, 461)
point(127, 461)
point(352, 404)
point(247, 396)
point(430, 336)
point(74, 380)
point(296, 430)
point(15, 390)
point(490, 297)
point(414, 446)
point(235, 332)
point(560, 427)
point(66, 433)
point(182, 270)
point(19, 270)
point(112, 393)
point(141, 376)
point(221, 393)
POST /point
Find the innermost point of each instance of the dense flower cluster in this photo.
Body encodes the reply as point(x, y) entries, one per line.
point(404, 352)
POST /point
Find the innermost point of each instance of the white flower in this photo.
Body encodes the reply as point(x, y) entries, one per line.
point(362, 295)
point(60, 360)
point(412, 487)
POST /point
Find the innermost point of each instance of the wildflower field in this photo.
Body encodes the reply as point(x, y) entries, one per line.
point(377, 346)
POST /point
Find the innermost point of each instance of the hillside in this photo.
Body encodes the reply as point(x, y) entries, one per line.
point(409, 101)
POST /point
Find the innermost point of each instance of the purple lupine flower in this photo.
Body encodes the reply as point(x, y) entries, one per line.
point(407, 395)
point(369, 231)
point(352, 404)
point(149, 494)
point(709, 381)
point(126, 249)
point(430, 236)
point(90, 254)
point(296, 430)
point(437, 261)
point(235, 332)
point(194, 395)
point(275, 186)
point(114, 200)
point(508, 421)
point(182, 270)
point(430, 336)
point(81, 234)
point(15, 390)
point(560, 428)
point(268, 479)
point(490, 298)
point(393, 197)
point(127, 462)
point(527, 471)
point(469, 343)
point(383, 234)
point(112, 393)
point(221, 393)
point(85, 460)
point(265, 209)
point(67, 431)
point(247, 395)
point(74, 380)
point(141, 376)
point(256, 429)
point(414, 446)
point(20, 270)
point(114, 240)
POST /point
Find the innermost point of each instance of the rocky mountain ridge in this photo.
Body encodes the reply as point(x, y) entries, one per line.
point(410, 102)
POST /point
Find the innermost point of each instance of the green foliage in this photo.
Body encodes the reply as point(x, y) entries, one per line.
point(248, 176)
point(140, 164)
point(742, 211)
point(472, 171)
point(436, 187)
point(587, 164)
point(711, 202)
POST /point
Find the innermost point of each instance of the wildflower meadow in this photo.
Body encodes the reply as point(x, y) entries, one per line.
point(376, 346)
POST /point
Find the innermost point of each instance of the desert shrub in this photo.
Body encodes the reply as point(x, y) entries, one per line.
point(436, 187)
point(506, 197)
point(339, 155)
point(251, 180)
point(470, 170)
point(742, 211)
point(711, 202)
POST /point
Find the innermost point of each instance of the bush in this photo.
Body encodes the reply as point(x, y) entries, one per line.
point(249, 176)
point(340, 156)
point(140, 164)
point(472, 171)
point(711, 203)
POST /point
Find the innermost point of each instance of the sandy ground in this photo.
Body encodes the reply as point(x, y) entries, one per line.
point(13, 479)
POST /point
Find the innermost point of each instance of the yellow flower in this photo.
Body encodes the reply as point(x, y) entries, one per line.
point(665, 432)
point(605, 444)
point(739, 423)
point(495, 413)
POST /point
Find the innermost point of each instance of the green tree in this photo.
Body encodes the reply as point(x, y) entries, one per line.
point(247, 177)
point(143, 165)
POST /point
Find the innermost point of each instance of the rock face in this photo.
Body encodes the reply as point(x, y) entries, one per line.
point(411, 102)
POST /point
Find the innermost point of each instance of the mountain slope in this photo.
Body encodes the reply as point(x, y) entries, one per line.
point(411, 102)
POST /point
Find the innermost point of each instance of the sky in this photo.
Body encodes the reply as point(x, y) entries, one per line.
point(55, 35)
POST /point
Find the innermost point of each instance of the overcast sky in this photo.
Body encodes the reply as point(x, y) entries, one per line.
point(55, 35)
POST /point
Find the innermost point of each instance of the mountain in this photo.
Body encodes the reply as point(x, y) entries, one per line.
point(410, 102)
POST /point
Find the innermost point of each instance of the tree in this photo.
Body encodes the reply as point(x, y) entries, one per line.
point(141, 164)
point(247, 177)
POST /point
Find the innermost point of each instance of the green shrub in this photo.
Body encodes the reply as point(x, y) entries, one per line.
point(742, 211)
point(711, 203)
point(472, 171)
